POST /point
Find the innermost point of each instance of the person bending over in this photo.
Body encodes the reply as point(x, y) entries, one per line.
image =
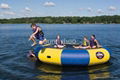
point(37, 34)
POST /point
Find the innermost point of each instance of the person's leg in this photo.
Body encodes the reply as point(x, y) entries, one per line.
point(55, 46)
point(60, 46)
point(93, 46)
point(41, 42)
point(84, 47)
point(81, 46)
point(33, 39)
point(76, 47)
point(88, 47)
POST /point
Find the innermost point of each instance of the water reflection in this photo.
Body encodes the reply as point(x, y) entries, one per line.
point(52, 72)
point(98, 72)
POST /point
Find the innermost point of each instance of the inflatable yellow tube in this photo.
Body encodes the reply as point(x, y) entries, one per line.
point(73, 56)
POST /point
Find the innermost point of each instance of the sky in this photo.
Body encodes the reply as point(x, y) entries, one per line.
point(41, 8)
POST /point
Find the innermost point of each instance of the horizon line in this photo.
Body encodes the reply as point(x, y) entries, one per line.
point(57, 16)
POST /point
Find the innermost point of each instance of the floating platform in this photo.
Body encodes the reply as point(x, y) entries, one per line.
point(70, 56)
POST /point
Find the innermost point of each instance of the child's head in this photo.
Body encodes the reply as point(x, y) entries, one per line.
point(85, 38)
point(93, 36)
point(33, 25)
point(58, 36)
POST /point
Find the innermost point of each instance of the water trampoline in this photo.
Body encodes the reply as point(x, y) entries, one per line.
point(71, 56)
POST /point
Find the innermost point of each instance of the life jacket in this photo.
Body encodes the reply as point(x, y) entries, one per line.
point(93, 43)
point(40, 33)
point(85, 43)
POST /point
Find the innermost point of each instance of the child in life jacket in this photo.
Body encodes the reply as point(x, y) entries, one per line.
point(37, 34)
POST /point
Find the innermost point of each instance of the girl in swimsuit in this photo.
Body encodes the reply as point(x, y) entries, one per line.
point(37, 34)
point(94, 42)
point(58, 42)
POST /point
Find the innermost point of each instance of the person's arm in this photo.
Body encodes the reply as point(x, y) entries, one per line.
point(88, 42)
point(36, 31)
point(62, 42)
point(98, 45)
point(56, 41)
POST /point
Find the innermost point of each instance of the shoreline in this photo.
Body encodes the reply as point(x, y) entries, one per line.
point(58, 23)
point(105, 19)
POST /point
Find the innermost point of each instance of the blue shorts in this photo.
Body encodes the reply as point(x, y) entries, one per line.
point(40, 37)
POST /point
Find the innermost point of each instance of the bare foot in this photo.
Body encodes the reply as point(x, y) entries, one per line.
point(34, 44)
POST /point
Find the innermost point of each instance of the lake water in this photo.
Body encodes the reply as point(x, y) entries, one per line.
point(14, 46)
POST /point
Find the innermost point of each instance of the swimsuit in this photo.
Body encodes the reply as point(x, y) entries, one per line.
point(59, 42)
point(39, 35)
point(93, 43)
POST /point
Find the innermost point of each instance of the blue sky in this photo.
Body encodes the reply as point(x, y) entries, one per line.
point(37, 8)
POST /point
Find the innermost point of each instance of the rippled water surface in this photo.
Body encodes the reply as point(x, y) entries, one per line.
point(14, 46)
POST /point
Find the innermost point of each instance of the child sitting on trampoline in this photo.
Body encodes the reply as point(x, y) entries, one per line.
point(94, 42)
point(58, 42)
point(85, 44)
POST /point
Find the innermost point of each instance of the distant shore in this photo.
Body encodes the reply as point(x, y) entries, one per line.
point(64, 20)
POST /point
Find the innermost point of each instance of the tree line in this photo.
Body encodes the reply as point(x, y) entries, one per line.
point(63, 20)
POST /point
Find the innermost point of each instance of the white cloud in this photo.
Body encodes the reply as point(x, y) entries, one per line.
point(8, 13)
point(27, 9)
point(49, 4)
point(100, 11)
point(4, 6)
point(89, 9)
point(112, 8)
